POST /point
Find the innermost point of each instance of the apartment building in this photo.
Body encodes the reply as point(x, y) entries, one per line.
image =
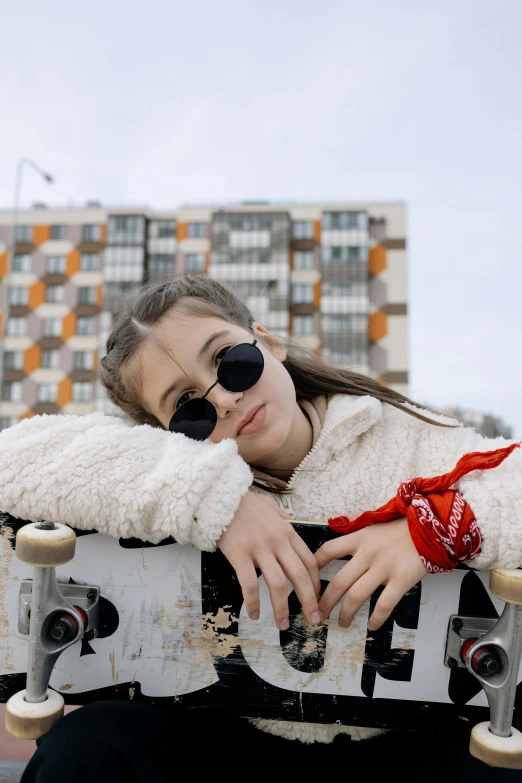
point(331, 277)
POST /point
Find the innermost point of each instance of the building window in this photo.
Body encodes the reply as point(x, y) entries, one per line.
point(83, 360)
point(12, 392)
point(89, 262)
point(54, 294)
point(13, 360)
point(304, 259)
point(22, 262)
point(86, 326)
point(18, 295)
point(87, 295)
point(344, 254)
point(303, 229)
point(303, 294)
point(81, 392)
point(164, 228)
point(16, 326)
point(23, 233)
point(51, 359)
point(304, 324)
point(6, 422)
point(126, 229)
point(52, 327)
point(344, 220)
point(46, 392)
point(195, 262)
point(55, 265)
point(91, 233)
point(58, 232)
point(197, 230)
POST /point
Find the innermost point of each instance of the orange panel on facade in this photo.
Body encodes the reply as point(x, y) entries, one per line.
point(69, 326)
point(95, 355)
point(378, 326)
point(377, 260)
point(64, 392)
point(73, 263)
point(32, 358)
point(317, 231)
point(207, 262)
point(3, 263)
point(41, 234)
point(292, 259)
point(36, 294)
point(317, 294)
point(181, 231)
point(27, 415)
point(103, 232)
point(99, 295)
point(290, 323)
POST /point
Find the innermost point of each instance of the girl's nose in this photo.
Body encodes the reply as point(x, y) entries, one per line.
point(224, 400)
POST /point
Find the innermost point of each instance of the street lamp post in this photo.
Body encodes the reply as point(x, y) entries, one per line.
point(10, 255)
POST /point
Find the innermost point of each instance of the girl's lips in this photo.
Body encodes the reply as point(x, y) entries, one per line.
point(255, 423)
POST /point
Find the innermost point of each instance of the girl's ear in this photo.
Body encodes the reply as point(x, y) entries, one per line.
point(271, 342)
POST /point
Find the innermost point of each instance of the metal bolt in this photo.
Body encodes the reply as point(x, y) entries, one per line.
point(91, 594)
point(486, 662)
point(457, 624)
point(64, 629)
point(45, 525)
point(452, 663)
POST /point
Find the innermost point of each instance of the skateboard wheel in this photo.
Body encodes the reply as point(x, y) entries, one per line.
point(45, 548)
point(506, 584)
point(505, 752)
point(26, 720)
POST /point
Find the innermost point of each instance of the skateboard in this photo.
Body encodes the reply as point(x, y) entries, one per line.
point(85, 617)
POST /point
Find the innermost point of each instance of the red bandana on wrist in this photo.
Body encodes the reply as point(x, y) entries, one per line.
point(441, 524)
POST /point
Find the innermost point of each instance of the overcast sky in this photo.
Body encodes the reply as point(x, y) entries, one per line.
point(164, 103)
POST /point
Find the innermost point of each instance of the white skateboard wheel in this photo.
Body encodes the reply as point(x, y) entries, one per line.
point(505, 752)
point(506, 584)
point(45, 548)
point(31, 721)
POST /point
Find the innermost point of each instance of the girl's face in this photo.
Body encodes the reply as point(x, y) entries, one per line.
point(183, 355)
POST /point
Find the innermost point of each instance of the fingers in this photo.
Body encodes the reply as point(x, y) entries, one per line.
point(278, 588)
point(308, 559)
point(357, 594)
point(342, 581)
point(386, 603)
point(247, 577)
point(299, 576)
point(337, 548)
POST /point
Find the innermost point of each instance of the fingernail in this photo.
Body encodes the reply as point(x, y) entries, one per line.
point(284, 625)
point(254, 616)
point(316, 618)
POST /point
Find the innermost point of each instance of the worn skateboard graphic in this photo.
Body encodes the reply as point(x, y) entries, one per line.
point(166, 624)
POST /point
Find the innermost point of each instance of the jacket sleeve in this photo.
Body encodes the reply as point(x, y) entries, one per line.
point(495, 496)
point(96, 472)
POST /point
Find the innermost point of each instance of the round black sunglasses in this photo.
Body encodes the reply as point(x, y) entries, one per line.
point(238, 371)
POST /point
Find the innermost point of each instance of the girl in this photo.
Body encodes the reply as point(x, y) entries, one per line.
point(217, 393)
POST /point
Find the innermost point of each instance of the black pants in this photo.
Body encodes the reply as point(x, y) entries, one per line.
point(127, 742)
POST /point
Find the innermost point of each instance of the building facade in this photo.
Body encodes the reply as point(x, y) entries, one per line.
point(332, 278)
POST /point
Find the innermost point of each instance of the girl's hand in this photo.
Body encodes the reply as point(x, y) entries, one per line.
point(261, 536)
point(383, 554)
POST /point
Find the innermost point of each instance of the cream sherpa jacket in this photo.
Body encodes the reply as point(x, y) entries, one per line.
point(96, 472)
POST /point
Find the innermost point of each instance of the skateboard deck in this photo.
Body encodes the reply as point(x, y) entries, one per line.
point(172, 630)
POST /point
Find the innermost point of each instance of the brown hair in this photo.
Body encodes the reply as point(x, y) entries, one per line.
point(201, 295)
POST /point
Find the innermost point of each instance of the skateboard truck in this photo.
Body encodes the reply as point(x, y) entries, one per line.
point(491, 651)
point(54, 625)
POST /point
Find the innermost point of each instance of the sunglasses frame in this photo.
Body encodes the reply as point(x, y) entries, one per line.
point(213, 418)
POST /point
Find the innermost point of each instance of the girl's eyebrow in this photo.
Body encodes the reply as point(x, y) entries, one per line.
point(204, 348)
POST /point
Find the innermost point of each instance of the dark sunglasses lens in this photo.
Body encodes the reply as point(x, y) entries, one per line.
point(241, 368)
point(196, 419)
